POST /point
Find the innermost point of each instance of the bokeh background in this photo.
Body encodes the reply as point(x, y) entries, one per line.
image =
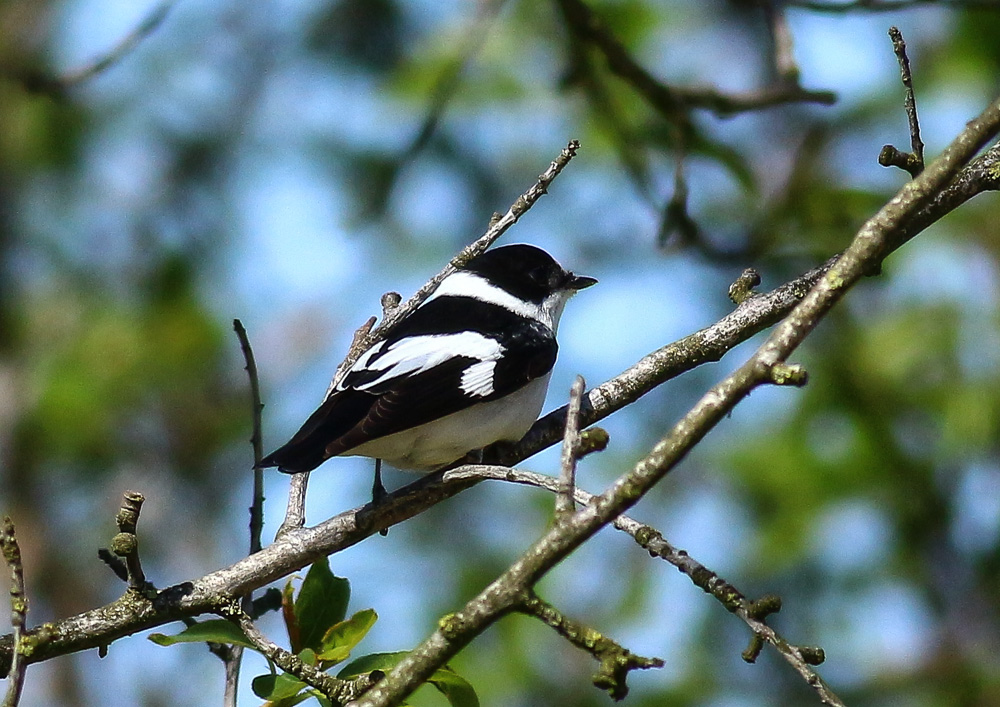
point(288, 162)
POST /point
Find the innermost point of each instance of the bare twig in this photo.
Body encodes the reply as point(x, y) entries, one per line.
point(615, 661)
point(786, 70)
point(127, 44)
point(126, 543)
point(18, 611)
point(570, 450)
point(256, 439)
point(295, 512)
point(233, 658)
point(913, 161)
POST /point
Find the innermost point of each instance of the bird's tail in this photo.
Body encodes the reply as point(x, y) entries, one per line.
point(295, 457)
point(308, 448)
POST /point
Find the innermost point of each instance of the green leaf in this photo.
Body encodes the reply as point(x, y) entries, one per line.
point(278, 687)
point(367, 663)
point(456, 688)
point(321, 603)
point(214, 630)
point(288, 614)
point(341, 638)
point(308, 656)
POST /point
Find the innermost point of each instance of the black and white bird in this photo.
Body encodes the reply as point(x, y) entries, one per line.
point(468, 367)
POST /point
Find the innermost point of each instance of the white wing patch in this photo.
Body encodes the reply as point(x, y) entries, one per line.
point(416, 354)
point(477, 379)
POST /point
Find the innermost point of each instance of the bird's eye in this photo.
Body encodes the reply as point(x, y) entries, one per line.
point(539, 276)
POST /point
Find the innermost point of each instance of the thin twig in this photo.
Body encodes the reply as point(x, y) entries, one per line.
point(913, 161)
point(786, 70)
point(256, 438)
point(295, 512)
point(233, 658)
point(127, 44)
point(570, 450)
point(18, 611)
point(909, 102)
point(615, 661)
point(126, 543)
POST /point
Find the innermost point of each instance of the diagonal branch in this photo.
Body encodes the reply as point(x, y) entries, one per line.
point(35, 81)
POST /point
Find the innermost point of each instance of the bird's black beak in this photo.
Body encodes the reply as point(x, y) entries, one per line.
point(579, 282)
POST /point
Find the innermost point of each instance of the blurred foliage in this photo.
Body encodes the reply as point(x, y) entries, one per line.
point(285, 163)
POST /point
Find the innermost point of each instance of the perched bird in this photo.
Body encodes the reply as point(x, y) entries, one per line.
point(468, 367)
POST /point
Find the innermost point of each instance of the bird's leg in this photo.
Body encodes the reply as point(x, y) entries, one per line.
point(473, 457)
point(378, 491)
point(378, 488)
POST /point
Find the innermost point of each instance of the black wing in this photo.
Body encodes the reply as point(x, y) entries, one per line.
point(421, 398)
point(375, 402)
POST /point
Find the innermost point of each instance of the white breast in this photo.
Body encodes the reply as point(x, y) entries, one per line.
point(431, 446)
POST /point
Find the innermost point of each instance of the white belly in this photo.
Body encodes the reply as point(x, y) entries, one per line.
point(431, 446)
